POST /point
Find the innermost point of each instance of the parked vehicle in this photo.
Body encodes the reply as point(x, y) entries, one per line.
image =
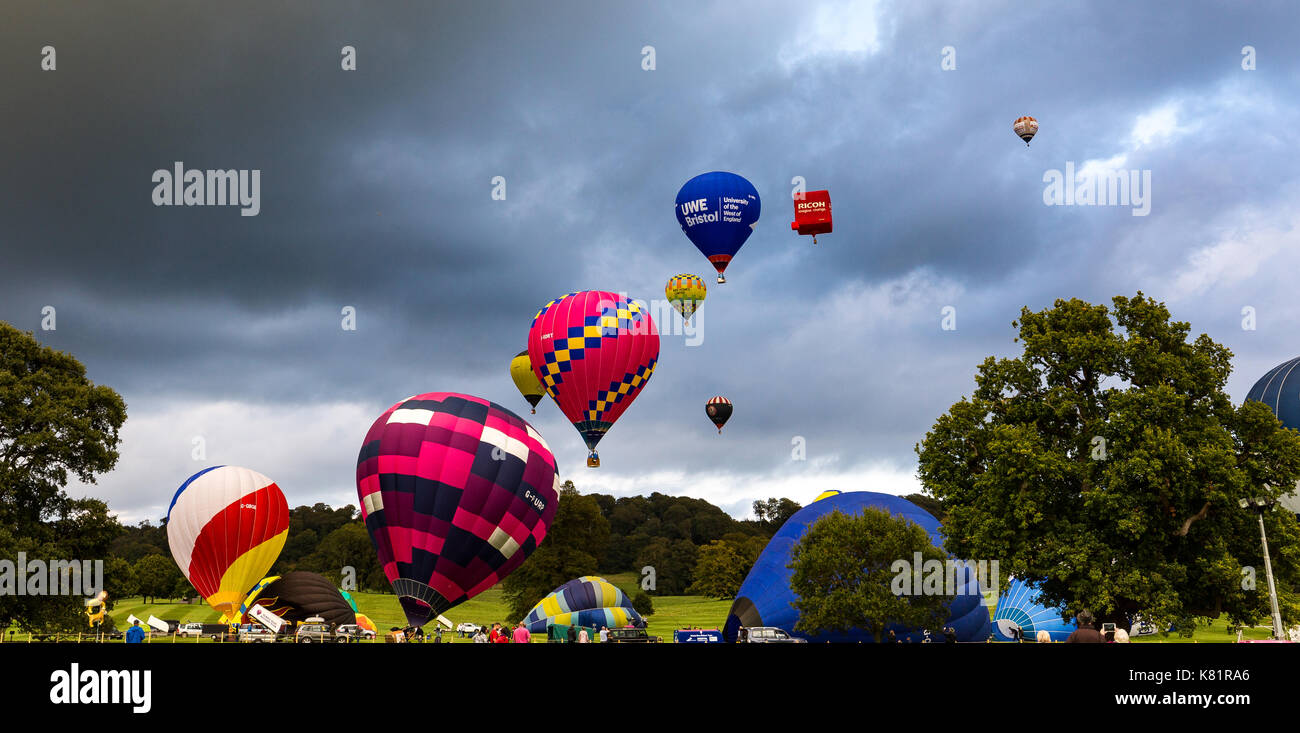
point(354, 632)
point(632, 636)
point(190, 630)
point(767, 635)
point(317, 633)
point(698, 636)
point(466, 628)
point(256, 634)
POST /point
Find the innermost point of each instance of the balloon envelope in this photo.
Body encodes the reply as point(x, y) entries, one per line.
point(226, 526)
point(718, 211)
point(718, 410)
point(1280, 390)
point(1019, 608)
point(593, 352)
point(525, 379)
point(686, 292)
point(765, 597)
point(299, 595)
point(587, 601)
point(1026, 128)
point(456, 492)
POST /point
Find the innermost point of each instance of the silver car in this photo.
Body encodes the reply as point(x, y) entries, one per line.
point(768, 635)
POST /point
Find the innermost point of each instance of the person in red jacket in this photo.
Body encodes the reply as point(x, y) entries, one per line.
point(503, 637)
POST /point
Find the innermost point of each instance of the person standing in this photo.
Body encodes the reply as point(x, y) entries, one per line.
point(573, 634)
point(480, 637)
point(135, 634)
point(521, 635)
point(1085, 634)
point(582, 636)
point(604, 634)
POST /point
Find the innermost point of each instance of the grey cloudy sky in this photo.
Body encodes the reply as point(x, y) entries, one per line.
point(376, 193)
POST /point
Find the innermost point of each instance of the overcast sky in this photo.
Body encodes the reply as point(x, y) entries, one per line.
point(376, 193)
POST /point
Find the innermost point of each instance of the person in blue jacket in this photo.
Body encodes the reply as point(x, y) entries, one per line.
point(135, 634)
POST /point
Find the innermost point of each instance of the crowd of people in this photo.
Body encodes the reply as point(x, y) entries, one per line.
point(519, 634)
point(1087, 632)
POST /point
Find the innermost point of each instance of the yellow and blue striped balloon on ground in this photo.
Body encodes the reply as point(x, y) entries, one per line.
point(587, 601)
point(686, 292)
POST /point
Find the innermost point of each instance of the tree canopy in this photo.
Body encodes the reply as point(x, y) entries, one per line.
point(843, 573)
point(1106, 464)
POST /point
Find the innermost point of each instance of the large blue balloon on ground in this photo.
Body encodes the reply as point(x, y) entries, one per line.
point(1019, 608)
point(1280, 390)
point(718, 211)
point(765, 597)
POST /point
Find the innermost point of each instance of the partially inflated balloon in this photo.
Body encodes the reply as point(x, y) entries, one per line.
point(525, 379)
point(587, 601)
point(299, 595)
point(226, 526)
point(456, 492)
point(719, 411)
point(765, 598)
point(686, 292)
point(1019, 611)
point(718, 212)
point(593, 352)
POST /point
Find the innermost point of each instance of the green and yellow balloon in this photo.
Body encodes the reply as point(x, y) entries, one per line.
point(686, 292)
point(521, 371)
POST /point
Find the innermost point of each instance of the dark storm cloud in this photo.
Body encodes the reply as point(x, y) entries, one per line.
point(376, 194)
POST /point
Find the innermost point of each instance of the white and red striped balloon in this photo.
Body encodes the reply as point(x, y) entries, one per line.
point(226, 526)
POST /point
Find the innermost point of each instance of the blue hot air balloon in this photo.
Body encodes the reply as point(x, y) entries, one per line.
point(765, 597)
point(1280, 390)
point(1019, 608)
point(718, 211)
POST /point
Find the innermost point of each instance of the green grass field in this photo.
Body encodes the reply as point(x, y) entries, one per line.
point(671, 612)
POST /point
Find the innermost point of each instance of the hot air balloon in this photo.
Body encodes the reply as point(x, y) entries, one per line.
point(719, 411)
point(226, 526)
point(364, 622)
point(456, 492)
point(1018, 610)
point(299, 595)
point(1026, 128)
point(718, 212)
point(812, 214)
point(764, 598)
point(593, 352)
point(587, 601)
point(1281, 393)
point(521, 371)
point(686, 292)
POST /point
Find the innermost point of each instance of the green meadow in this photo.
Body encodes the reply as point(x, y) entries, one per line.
point(670, 612)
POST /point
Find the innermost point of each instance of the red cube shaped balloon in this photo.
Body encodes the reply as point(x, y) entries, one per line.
point(812, 214)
